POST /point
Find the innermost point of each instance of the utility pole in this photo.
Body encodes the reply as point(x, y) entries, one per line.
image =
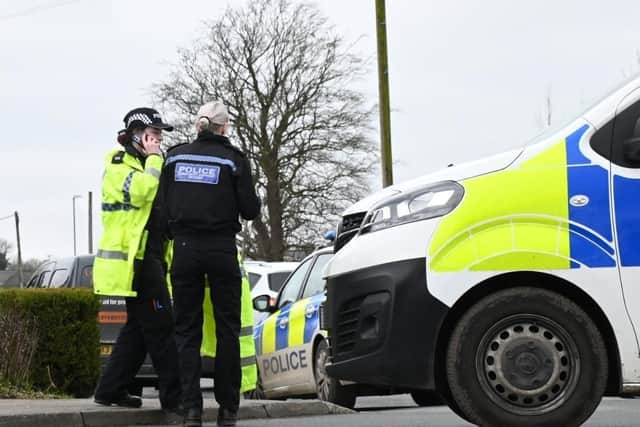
point(75, 252)
point(383, 93)
point(20, 273)
point(90, 222)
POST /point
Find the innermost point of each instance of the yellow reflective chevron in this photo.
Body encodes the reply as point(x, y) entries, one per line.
point(517, 227)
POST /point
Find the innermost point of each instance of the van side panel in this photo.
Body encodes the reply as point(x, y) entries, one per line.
point(552, 213)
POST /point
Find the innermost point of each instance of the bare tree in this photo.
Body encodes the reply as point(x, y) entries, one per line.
point(5, 247)
point(32, 264)
point(289, 83)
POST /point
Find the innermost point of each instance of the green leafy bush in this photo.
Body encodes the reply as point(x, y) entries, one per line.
point(66, 358)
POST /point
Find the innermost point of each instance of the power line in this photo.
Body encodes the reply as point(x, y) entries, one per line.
point(36, 9)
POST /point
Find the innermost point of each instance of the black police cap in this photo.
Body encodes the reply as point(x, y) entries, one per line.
point(145, 117)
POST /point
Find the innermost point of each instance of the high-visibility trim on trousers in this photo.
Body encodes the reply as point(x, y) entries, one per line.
point(248, 361)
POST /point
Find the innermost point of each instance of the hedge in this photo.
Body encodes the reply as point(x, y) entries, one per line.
point(67, 355)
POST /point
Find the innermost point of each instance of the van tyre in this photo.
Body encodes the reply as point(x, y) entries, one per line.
point(528, 357)
point(329, 389)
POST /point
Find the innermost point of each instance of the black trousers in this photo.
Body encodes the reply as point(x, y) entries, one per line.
point(149, 329)
point(194, 258)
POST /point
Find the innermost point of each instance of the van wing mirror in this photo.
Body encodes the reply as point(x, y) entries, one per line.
point(631, 148)
point(263, 303)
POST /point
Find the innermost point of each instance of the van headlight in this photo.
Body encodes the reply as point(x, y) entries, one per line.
point(431, 202)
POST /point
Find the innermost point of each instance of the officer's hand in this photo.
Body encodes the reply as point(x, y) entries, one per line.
point(150, 144)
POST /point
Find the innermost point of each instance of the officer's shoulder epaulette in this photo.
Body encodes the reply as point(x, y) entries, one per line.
point(174, 146)
point(118, 157)
point(237, 150)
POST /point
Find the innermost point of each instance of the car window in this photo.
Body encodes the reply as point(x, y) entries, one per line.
point(43, 282)
point(253, 279)
point(33, 281)
point(59, 278)
point(291, 289)
point(86, 277)
point(626, 126)
point(315, 283)
point(277, 279)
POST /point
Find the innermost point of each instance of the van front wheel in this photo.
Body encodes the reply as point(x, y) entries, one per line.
point(529, 357)
point(327, 388)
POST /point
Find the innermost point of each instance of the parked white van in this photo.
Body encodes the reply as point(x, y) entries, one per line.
point(510, 285)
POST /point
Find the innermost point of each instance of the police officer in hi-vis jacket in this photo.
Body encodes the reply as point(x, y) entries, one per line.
point(129, 263)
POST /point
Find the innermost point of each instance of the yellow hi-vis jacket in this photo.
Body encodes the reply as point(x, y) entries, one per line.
point(247, 345)
point(128, 191)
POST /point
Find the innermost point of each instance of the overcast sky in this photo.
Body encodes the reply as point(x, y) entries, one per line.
point(468, 79)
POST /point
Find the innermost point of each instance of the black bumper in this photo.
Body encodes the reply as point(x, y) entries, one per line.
point(383, 324)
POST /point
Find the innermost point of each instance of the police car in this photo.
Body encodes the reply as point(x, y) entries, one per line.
point(291, 349)
point(267, 277)
point(511, 285)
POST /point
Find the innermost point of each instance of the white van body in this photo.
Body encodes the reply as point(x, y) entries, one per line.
point(561, 215)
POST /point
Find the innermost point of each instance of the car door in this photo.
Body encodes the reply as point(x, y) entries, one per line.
point(625, 170)
point(304, 326)
point(313, 296)
point(278, 362)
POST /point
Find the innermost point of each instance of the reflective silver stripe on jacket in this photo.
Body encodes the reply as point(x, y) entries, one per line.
point(247, 361)
point(112, 254)
point(153, 172)
point(126, 187)
point(247, 331)
point(201, 158)
point(112, 207)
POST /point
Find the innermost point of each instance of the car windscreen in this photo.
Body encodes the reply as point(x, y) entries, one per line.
point(277, 279)
point(60, 278)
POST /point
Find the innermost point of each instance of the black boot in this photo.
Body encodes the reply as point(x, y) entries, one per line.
point(227, 418)
point(127, 401)
point(193, 418)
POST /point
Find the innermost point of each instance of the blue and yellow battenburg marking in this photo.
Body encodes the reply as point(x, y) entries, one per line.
point(294, 325)
point(536, 216)
point(590, 237)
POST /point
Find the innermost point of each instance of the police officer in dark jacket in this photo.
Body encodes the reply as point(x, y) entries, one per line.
point(206, 185)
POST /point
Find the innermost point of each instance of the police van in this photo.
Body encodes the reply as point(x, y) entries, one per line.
point(510, 285)
point(291, 349)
